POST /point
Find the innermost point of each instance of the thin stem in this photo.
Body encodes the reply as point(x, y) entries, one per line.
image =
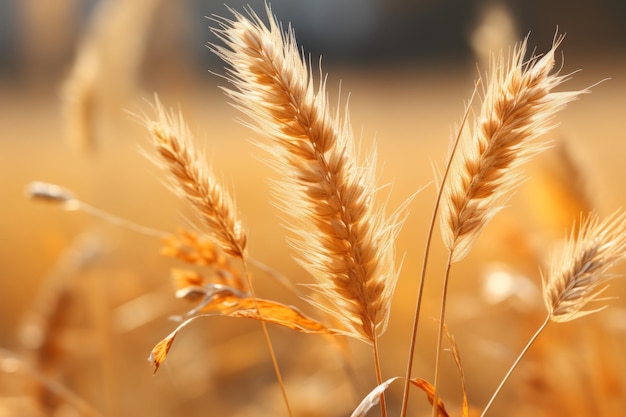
point(429, 237)
point(442, 317)
point(379, 377)
point(279, 278)
point(268, 341)
point(517, 361)
point(118, 221)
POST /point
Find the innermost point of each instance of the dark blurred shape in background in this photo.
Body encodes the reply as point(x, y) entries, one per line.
point(38, 39)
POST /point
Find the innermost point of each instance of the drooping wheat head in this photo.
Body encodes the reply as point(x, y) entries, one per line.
point(194, 180)
point(518, 107)
point(343, 238)
point(579, 274)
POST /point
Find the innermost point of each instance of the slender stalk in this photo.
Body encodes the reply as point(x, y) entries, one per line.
point(517, 361)
point(268, 341)
point(442, 316)
point(429, 237)
point(379, 377)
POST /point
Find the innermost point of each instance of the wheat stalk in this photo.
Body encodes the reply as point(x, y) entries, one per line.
point(343, 238)
point(578, 275)
point(193, 179)
point(518, 107)
point(197, 183)
point(344, 241)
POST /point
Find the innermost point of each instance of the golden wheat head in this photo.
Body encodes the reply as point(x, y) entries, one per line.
point(194, 180)
point(579, 274)
point(343, 238)
point(518, 106)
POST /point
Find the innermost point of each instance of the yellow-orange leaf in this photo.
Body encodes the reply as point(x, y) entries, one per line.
point(160, 350)
point(428, 388)
point(228, 304)
point(277, 313)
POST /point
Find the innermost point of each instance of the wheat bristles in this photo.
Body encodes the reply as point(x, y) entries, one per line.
point(343, 238)
point(579, 274)
point(518, 107)
point(194, 180)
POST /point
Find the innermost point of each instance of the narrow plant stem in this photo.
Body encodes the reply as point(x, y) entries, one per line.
point(379, 377)
point(442, 317)
point(268, 341)
point(118, 221)
point(517, 361)
point(429, 238)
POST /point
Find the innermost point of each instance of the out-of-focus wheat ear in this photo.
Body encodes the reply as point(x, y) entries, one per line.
point(342, 236)
point(192, 178)
point(106, 66)
point(518, 107)
point(579, 273)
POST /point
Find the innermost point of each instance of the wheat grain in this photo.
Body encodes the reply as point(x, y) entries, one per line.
point(194, 180)
point(518, 106)
point(579, 274)
point(343, 240)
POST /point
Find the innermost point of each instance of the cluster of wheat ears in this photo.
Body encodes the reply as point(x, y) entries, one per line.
point(340, 230)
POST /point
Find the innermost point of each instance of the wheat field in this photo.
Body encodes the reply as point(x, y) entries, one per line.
point(85, 300)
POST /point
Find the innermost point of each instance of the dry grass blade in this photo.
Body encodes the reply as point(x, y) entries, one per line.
point(344, 240)
point(194, 180)
point(456, 355)
point(518, 106)
point(429, 389)
point(371, 399)
point(580, 273)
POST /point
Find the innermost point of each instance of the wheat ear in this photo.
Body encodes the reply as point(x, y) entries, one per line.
point(344, 241)
point(578, 274)
point(518, 106)
point(194, 180)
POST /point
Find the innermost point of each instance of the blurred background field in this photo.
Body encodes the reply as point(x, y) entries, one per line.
point(83, 301)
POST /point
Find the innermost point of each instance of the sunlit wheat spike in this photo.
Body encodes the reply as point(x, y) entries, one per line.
point(192, 178)
point(579, 274)
point(518, 107)
point(343, 238)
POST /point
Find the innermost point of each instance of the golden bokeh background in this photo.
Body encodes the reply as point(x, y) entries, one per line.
point(102, 295)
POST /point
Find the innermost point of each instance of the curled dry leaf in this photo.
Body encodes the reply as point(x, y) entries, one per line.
point(429, 389)
point(161, 349)
point(228, 304)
